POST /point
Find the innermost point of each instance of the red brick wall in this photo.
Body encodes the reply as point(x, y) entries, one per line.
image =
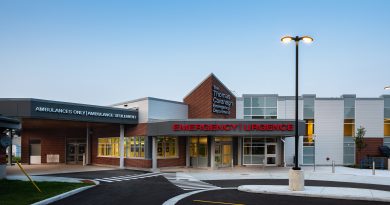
point(372, 148)
point(137, 130)
point(143, 163)
point(53, 141)
point(180, 161)
point(3, 158)
point(200, 100)
point(100, 132)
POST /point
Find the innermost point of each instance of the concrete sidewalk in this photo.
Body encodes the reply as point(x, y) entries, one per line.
point(324, 173)
point(321, 192)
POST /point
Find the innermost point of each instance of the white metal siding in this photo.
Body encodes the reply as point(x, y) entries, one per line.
point(240, 108)
point(369, 113)
point(163, 110)
point(286, 110)
point(329, 130)
point(142, 107)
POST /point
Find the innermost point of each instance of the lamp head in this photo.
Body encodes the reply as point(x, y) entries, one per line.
point(286, 39)
point(307, 39)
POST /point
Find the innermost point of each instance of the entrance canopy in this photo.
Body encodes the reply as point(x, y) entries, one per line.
point(225, 127)
point(53, 110)
point(9, 123)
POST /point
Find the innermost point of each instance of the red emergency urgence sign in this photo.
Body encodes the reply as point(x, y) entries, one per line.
point(233, 127)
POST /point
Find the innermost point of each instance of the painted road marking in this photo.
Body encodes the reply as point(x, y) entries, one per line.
point(216, 202)
point(187, 182)
point(127, 177)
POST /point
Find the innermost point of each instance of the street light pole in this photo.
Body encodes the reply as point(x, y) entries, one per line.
point(296, 177)
point(296, 164)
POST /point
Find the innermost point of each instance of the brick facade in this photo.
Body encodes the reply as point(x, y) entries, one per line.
point(53, 141)
point(371, 149)
point(200, 100)
point(3, 157)
point(142, 163)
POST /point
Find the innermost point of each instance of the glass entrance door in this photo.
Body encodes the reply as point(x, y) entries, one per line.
point(74, 151)
point(223, 155)
point(198, 152)
point(270, 154)
point(223, 151)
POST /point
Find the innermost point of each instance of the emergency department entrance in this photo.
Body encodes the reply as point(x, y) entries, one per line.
point(260, 151)
point(223, 152)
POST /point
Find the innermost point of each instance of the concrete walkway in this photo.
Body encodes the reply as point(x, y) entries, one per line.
point(342, 174)
point(321, 192)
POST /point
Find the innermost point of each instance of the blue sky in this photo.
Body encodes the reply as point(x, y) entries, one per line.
point(103, 52)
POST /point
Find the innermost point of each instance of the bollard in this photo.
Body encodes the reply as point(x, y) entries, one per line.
point(84, 160)
point(333, 167)
point(232, 164)
point(373, 167)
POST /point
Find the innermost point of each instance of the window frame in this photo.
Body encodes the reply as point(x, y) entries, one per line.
point(164, 147)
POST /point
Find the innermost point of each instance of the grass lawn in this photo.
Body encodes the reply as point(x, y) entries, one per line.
point(23, 192)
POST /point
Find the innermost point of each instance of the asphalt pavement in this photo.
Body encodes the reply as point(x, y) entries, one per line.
point(234, 197)
point(153, 190)
point(239, 182)
point(137, 187)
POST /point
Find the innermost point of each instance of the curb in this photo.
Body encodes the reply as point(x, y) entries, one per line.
point(298, 193)
point(64, 195)
point(174, 200)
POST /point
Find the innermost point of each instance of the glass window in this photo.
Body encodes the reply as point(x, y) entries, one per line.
point(387, 127)
point(387, 102)
point(308, 155)
point(270, 117)
point(349, 102)
point(387, 112)
point(257, 111)
point(134, 147)
point(386, 141)
point(258, 102)
point(261, 107)
point(309, 127)
point(247, 111)
point(253, 150)
point(349, 151)
point(167, 147)
point(349, 127)
point(108, 147)
point(270, 111)
point(308, 102)
point(271, 102)
point(349, 113)
point(247, 102)
point(257, 117)
point(308, 112)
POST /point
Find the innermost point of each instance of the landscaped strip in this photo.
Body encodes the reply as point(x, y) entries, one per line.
point(14, 192)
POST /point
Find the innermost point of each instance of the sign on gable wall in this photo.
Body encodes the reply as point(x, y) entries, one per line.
point(221, 102)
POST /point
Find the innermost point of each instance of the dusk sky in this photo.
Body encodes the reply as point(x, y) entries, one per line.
point(103, 52)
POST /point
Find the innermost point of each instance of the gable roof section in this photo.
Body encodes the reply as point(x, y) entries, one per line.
point(211, 75)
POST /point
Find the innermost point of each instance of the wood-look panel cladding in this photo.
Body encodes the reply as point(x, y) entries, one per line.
point(200, 100)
